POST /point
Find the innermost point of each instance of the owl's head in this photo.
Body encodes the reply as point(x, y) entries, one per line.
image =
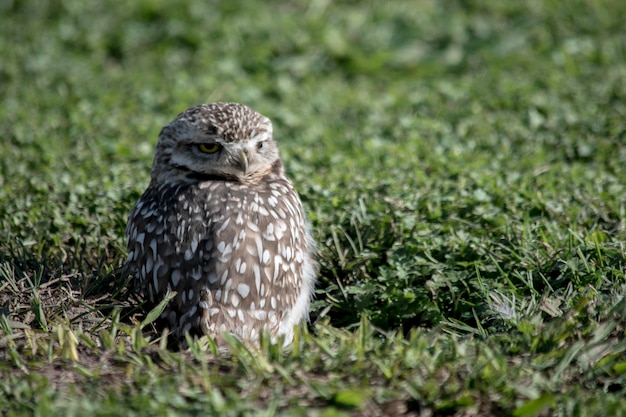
point(216, 141)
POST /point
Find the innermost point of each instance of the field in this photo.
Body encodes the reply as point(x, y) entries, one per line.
point(462, 163)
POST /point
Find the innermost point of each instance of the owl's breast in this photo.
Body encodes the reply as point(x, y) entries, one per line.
point(245, 245)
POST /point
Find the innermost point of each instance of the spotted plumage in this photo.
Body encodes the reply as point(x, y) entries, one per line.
point(222, 225)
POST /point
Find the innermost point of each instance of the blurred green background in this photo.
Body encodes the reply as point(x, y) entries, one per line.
point(462, 162)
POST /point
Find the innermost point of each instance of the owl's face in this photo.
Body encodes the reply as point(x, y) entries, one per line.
point(219, 140)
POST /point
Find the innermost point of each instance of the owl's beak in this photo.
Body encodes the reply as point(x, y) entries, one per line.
point(243, 162)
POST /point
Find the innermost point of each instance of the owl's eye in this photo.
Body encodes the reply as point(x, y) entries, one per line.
point(209, 147)
point(259, 145)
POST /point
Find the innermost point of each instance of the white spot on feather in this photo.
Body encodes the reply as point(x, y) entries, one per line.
point(175, 278)
point(243, 290)
point(257, 277)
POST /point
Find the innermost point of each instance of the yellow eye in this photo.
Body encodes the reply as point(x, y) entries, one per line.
point(209, 147)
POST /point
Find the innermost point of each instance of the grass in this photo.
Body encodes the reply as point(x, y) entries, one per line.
point(462, 164)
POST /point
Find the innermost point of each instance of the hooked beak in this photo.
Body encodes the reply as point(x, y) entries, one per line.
point(243, 162)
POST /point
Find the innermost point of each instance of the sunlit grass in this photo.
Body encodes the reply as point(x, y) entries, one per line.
point(462, 166)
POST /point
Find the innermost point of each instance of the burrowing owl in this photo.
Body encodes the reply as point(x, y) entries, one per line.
point(222, 225)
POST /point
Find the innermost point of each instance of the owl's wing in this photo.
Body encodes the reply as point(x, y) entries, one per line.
point(164, 255)
point(150, 257)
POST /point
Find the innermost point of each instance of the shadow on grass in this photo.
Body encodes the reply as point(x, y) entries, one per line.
point(36, 287)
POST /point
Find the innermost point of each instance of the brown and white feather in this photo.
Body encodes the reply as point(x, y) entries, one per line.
point(230, 237)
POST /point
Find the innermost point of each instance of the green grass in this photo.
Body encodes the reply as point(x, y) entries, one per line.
point(463, 165)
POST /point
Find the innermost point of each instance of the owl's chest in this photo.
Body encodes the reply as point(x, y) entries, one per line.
point(214, 232)
point(207, 205)
point(223, 211)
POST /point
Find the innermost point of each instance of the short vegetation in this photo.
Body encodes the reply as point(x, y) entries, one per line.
point(463, 165)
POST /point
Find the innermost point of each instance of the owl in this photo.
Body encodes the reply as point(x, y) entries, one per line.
point(223, 227)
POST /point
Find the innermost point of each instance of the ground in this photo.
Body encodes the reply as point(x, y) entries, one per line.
point(462, 165)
